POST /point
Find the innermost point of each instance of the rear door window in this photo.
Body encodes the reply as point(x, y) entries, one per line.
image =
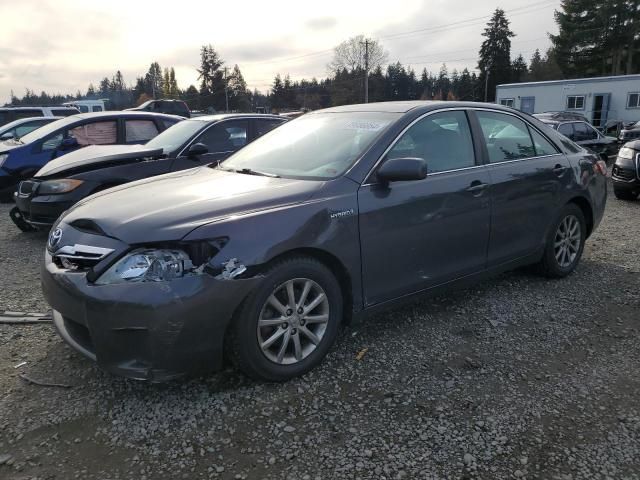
point(584, 132)
point(507, 137)
point(225, 136)
point(264, 126)
point(566, 129)
point(140, 130)
point(542, 145)
point(28, 112)
point(96, 133)
point(63, 112)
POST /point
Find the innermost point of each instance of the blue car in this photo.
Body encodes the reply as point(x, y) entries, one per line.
point(22, 158)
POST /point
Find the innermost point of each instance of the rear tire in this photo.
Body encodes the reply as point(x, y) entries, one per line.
point(273, 338)
point(624, 194)
point(565, 243)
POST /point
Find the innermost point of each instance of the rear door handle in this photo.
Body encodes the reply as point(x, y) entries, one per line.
point(477, 187)
point(559, 169)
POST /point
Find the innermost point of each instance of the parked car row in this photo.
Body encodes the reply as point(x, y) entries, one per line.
point(65, 180)
point(328, 217)
point(21, 158)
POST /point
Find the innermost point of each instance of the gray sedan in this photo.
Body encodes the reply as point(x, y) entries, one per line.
point(331, 217)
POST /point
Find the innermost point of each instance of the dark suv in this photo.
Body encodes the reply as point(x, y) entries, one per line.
point(575, 127)
point(173, 107)
point(626, 172)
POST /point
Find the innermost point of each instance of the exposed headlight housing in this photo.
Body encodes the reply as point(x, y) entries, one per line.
point(53, 187)
point(3, 158)
point(148, 265)
point(626, 152)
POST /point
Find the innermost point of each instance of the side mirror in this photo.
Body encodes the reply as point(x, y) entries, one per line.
point(68, 143)
point(6, 136)
point(403, 169)
point(197, 149)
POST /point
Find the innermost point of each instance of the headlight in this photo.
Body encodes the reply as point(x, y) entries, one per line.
point(626, 152)
point(147, 265)
point(3, 158)
point(52, 187)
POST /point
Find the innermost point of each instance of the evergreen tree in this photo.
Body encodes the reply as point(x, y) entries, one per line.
point(212, 81)
point(597, 37)
point(154, 81)
point(495, 53)
point(519, 69)
point(238, 94)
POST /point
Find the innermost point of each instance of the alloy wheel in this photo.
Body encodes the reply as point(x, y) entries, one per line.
point(293, 321)
point(567, 241)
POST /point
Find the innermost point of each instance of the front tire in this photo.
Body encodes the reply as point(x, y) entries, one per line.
point(624, 194)
point(287, 325)
point(565, 243)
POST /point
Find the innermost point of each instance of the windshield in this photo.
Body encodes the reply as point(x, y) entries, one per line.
point(49, 128)
point(315, 146)
point(175, 136)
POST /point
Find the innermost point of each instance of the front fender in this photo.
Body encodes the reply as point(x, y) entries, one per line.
point(328, 222)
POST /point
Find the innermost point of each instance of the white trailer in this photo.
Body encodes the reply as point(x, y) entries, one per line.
point(603, 100)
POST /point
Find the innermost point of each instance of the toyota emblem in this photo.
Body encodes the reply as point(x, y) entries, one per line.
point(54, 238)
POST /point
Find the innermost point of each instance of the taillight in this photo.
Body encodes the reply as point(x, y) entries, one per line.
point(600, 167)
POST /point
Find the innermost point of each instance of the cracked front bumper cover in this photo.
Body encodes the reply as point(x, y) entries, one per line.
point(152, 331)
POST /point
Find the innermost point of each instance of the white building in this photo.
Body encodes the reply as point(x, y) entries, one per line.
point(600, 99)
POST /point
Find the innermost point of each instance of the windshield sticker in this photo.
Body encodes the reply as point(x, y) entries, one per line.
point(364, 125)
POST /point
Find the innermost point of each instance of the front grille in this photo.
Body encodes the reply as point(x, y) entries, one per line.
point(623, 173)
point(630, 134)
point(79, 257)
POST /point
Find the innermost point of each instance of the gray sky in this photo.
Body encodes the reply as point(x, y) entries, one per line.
point(61, 46)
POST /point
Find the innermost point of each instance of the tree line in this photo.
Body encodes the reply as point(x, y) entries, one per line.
point(595, 38)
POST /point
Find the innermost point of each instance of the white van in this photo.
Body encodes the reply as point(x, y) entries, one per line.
point(10, 114)
point(86, 106)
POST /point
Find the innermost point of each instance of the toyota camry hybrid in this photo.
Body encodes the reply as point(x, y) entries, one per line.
point(323, 220)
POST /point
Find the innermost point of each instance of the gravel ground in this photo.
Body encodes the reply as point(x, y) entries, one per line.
point(519, 377)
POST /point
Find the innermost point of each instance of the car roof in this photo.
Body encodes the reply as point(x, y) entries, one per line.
point(127, 113)
point(39, 107)
point(223, 116)
point(409, 105)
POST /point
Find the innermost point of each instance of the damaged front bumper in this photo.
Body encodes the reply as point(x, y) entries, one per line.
point(152, 331)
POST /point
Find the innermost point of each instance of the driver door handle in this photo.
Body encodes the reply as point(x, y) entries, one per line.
point(477, 187)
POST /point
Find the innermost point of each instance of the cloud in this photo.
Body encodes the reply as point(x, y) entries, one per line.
point(321, 23)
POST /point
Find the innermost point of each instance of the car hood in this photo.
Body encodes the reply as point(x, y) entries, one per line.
point(89, 158)
point(168, 207)
point(8, 145)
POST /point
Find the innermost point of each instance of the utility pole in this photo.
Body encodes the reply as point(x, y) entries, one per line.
point(486, 83)
point(226, 91)
point(366, 70)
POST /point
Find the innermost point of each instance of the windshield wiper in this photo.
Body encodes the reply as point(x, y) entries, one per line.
point(250, 171)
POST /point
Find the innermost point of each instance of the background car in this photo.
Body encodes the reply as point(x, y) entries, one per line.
point(625, 173)
point(334, 215)
point(190, 143)
point(581, 132)
point(19, 128)
point(630, 132)
point(21, 158)
point(9, 114)
point(170, 106)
